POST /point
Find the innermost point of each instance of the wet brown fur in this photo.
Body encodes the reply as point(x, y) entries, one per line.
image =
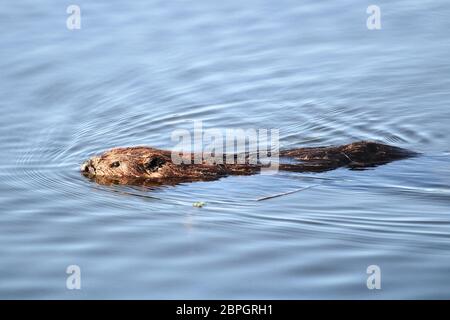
point(150, 166)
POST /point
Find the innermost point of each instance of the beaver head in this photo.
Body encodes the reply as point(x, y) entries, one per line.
point(131, 162)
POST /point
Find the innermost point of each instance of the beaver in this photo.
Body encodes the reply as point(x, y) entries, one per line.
point(150, 166)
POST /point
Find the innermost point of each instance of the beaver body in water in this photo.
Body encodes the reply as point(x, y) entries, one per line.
point(150, 166)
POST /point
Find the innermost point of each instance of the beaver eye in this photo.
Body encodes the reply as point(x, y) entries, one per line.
point(114, 164)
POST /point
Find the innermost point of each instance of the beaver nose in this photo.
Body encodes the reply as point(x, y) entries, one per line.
point(87, 167)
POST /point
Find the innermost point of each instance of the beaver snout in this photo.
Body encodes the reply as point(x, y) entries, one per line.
point(88, 168)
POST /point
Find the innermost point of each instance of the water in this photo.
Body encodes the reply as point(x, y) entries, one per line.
point(137, 71)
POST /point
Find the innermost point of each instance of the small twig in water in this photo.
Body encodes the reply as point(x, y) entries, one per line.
point(285, 193)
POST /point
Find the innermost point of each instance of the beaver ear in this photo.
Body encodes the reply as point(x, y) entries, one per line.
point(154, 164)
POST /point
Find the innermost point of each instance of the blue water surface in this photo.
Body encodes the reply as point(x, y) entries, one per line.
point(138, 70)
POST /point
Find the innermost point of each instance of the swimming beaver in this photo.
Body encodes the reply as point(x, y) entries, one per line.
point(150, 166)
